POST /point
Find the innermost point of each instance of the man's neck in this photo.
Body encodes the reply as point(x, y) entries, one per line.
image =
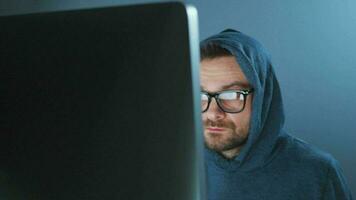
point(231, 154)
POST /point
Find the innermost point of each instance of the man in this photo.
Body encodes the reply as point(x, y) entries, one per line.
point(248, 155)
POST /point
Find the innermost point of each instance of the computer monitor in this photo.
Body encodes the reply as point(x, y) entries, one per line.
point(101, 104)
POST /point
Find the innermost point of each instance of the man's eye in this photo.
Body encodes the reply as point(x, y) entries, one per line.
point(228, 96)
point(204, 97)
point(232, 96)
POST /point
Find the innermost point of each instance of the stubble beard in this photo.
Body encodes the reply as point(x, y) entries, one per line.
point(233, 138)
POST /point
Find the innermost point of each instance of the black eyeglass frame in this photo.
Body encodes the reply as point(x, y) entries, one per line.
point(216, 94)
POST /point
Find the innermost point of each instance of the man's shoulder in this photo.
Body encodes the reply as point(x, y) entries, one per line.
point(312, 165)
point(303, 153)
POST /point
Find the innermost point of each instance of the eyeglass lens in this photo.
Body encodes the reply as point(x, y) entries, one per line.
point(227, 101)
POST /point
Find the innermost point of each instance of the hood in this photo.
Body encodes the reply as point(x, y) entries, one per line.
point(267, 118)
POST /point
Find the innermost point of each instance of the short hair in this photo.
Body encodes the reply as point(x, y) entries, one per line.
point(212, 50)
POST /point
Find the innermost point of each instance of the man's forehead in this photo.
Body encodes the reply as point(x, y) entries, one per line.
point(224, 86)
point(222, 72)
point(220, 66)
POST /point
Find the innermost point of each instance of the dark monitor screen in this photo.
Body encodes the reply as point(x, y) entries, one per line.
point(100, 104)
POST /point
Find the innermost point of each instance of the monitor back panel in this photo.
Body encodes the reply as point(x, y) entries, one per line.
point(97, 105)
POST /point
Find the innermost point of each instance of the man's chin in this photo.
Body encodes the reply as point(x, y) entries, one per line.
point(218, 146)
point(223, 144)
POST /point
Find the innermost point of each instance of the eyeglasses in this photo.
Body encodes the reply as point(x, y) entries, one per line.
point(229, 101)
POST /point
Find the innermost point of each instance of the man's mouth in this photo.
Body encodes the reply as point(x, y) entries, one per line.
point(215, 129)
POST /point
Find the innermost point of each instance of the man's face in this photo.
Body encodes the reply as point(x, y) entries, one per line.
point(224, 132)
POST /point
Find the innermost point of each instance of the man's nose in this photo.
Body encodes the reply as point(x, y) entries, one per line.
point(214, 112)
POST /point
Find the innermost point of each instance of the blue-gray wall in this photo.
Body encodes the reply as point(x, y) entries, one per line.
point(312, 44)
